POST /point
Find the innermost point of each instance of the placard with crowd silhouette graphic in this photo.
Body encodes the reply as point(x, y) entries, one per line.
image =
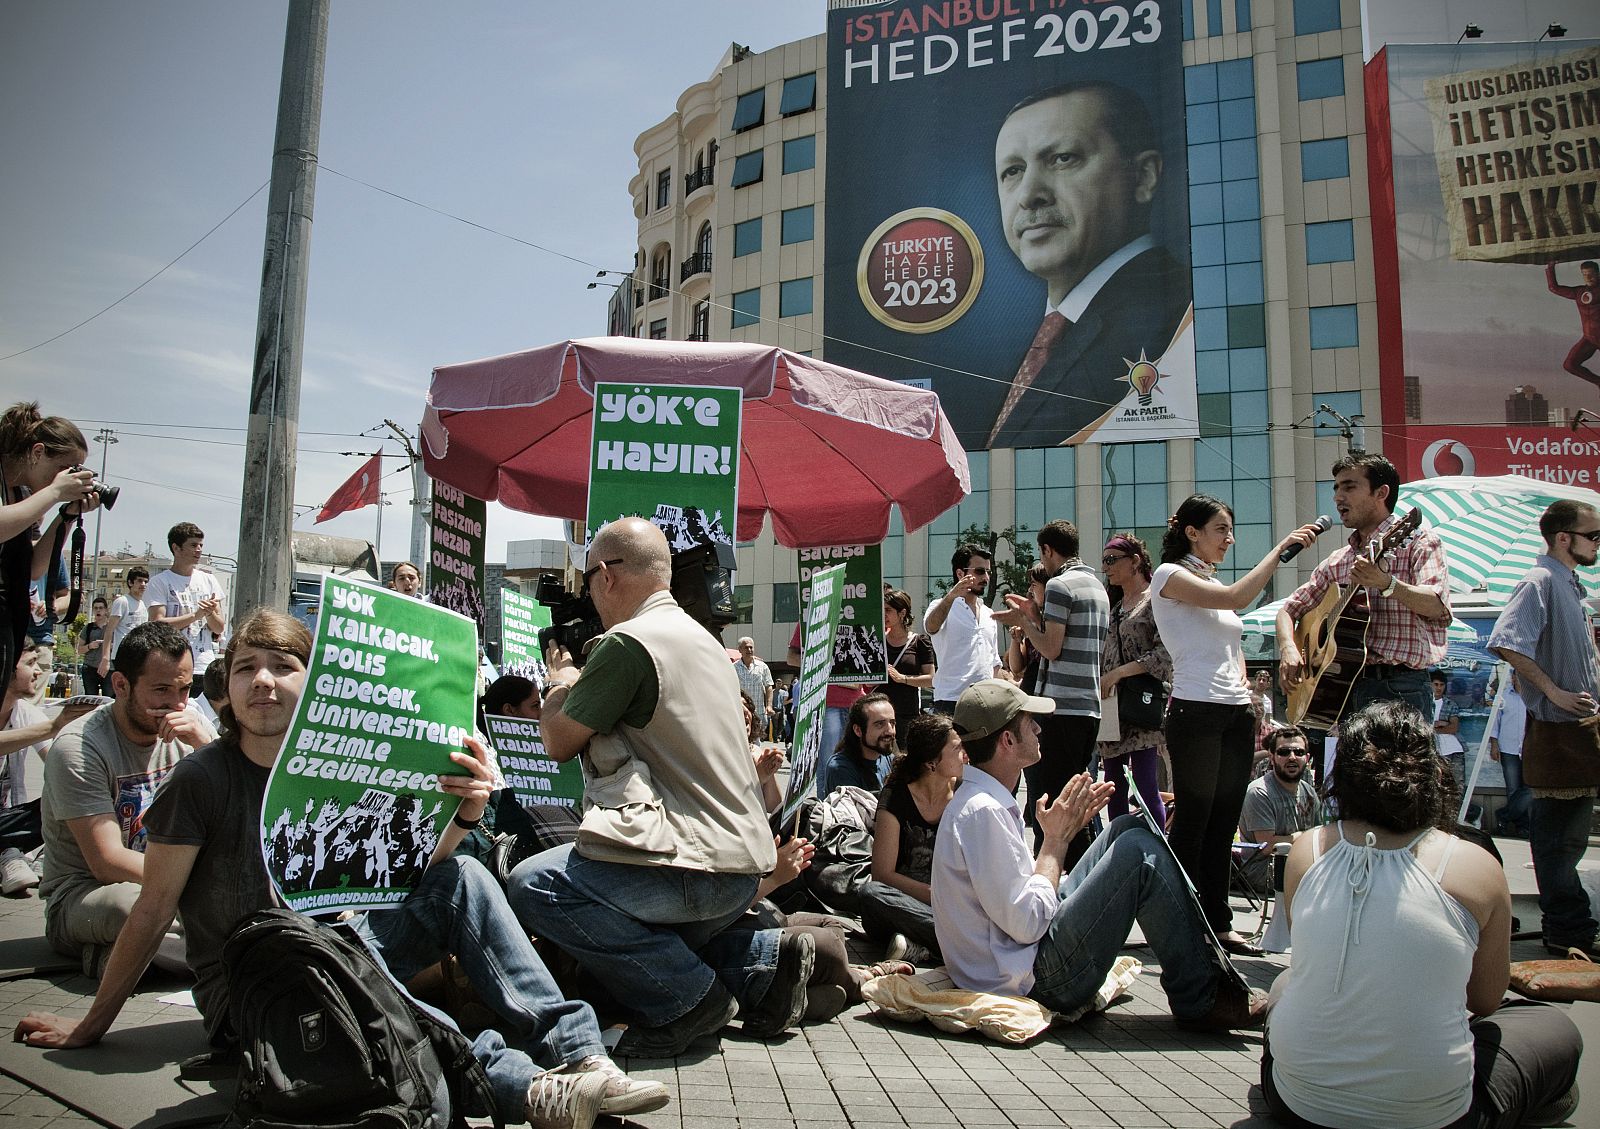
point(353, 810)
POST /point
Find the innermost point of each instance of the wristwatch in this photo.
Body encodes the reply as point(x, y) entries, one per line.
point(1389, 591)
point(463, 824)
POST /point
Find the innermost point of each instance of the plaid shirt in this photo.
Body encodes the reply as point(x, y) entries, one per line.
point(1397, 635)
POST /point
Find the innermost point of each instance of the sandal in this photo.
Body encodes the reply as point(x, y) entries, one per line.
point(888, 968)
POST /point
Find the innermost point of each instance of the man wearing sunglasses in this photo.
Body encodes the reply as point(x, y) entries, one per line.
point(1544, 634)
point(1279, 805)
point(674, 839)
point(962, 628)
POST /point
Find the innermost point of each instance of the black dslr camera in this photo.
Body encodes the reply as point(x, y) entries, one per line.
point(107, 493)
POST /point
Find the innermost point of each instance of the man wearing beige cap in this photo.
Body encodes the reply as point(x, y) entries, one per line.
point(1017, 926)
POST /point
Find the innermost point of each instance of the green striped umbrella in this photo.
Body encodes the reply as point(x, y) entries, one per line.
point(1490, 527)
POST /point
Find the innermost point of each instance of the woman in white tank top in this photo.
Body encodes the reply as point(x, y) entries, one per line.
point(1400, 937)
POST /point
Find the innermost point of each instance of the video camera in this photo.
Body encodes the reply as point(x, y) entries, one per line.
point(107, 493)
point(702, 584)
point(573, 620)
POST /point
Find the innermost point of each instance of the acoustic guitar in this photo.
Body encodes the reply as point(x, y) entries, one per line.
point(1332, 639)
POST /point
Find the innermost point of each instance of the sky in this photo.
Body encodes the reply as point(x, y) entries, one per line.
point(130, 130)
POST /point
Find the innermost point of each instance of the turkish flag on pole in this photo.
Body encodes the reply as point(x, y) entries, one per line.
point(361, 489)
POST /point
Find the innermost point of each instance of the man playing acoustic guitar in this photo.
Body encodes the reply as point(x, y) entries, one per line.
point(1407, 595)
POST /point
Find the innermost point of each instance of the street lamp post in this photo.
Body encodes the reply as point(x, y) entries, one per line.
point(105, 438)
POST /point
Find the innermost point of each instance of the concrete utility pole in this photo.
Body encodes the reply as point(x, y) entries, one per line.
point(266, 511)
point(419, 501)
point(106, 437)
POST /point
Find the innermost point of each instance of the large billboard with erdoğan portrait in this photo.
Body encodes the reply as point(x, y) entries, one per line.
point(1008, 215)
point(1484, 175)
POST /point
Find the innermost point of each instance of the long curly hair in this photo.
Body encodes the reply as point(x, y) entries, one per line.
point(1387, 773)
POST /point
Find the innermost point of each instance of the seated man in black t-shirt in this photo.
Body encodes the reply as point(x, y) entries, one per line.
point(204, 860)
point(896, 905)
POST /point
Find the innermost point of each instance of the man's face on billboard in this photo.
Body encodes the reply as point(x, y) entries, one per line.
point(1069, 195)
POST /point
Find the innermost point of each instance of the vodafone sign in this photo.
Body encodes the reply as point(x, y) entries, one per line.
point(1550, 454)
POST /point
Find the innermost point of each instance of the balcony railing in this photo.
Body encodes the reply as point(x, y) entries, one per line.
point(697, 263)
point(699, 178)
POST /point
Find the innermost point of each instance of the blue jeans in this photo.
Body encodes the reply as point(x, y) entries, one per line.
point(1558, 834)
point(639, 929)
point(458, 908)
point(1518, 795)
point(1126, 876)
point(1411, 687)
point(834, 719)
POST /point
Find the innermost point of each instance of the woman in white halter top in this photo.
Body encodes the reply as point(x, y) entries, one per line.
point(1391, 1014)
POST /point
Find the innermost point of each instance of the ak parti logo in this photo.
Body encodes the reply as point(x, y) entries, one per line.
point(1143, 376)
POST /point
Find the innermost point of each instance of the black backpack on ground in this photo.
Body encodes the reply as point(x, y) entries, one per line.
point(328, 1038)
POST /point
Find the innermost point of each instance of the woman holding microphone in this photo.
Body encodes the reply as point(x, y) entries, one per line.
point(1210, 730)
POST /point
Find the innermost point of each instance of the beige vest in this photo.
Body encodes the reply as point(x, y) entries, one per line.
point(682, 791)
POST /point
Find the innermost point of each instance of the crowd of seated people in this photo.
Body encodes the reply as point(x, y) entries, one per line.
point(667, 900)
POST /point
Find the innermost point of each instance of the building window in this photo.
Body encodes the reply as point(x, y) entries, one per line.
point(786, 603)
point(1133, 490)
point(1325, 160)
point(744, 599)
point(700, 329)
point(1333, 242)
point(800, 153)
point(799, 95)
point(663, 188)
point(746, 237)
point(1241, 15)
point(794, 297)
point(1320, 78)
point(797, 225)
point(659, 274)
point(658, 329)
point(750, 111)
point(1334, 327)
point(747, 168)
point(746, 307)
point(1311, 16)
point(1046, 487)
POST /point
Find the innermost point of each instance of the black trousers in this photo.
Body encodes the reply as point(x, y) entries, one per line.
point(1211, 746)
point(1066, 745)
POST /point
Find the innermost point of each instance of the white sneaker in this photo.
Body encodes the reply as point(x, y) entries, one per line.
point(623, 1095)
point(558, 1100)
point(16, 876)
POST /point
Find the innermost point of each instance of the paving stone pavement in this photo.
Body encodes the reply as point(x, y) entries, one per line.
point(1130, 1067)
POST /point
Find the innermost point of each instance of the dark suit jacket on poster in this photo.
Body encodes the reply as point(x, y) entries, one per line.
point(1140, 306)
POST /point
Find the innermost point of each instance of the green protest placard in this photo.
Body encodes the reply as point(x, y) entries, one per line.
point(816, 659)
point(858, 652)
point(521, 617)
point(353, 809)
point(533, 777)
point(669, 453)
point(456, 556)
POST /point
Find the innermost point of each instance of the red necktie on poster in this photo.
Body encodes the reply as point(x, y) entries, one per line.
point(360, 489)
point(1050, 330)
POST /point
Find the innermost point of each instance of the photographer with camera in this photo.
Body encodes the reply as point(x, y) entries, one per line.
point(674, 839)
point(40, 471)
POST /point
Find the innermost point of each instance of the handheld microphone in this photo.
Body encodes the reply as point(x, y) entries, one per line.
point(1323, 524)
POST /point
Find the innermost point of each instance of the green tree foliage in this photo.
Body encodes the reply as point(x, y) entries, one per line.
point(1010, 575)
